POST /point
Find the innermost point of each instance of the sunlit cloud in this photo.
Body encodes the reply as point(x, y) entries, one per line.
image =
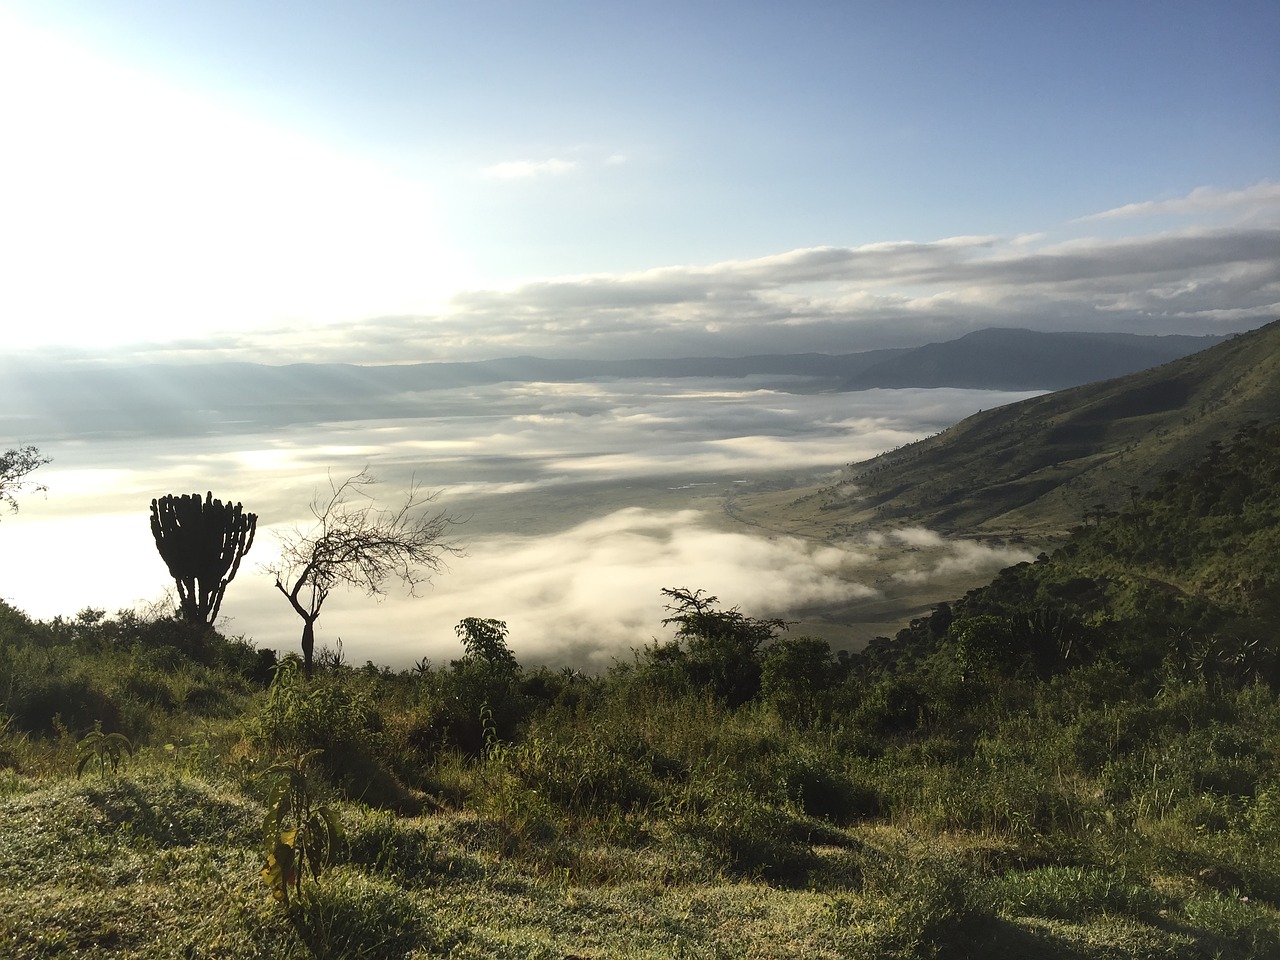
point(942, 557)
point(591, 593)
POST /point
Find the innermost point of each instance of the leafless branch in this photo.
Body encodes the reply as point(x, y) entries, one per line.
point(15, 465)
point(353, 543)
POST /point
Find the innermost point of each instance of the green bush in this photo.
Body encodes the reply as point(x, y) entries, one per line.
point(794, 676)
point(916, 908)
point(330, 715)
point(741, 829)
point(76, 699)
point(1238, 921)
point(814, 779)
point(299, 716)
point(585, 774)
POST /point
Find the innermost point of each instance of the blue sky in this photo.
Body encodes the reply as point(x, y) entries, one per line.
point(387, 181)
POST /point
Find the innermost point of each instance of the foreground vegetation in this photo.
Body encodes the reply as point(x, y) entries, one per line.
point(1080, 760)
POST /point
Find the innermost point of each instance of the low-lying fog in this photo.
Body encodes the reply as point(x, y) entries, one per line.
point(582, 500)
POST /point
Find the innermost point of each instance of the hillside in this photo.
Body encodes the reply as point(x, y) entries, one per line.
point(1039, 467)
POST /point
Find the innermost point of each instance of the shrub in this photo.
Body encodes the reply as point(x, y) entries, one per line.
point(914, 908)
point(449, 715)
point(329, 716)
point(814, 779)
point(149, 687)
point(409, 853)
point(722, 648)
point(356, 917)
point(299, 716)
point(794, 674)
point(585, 774)
point(741, 829)
point(1247, 924)
point(300, 834)
point(75, 698)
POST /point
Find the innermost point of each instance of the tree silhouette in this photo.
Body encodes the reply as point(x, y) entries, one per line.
point(15, 464)
point(352, 543)
point(202, 542)
point(722, 647)
point(486, 643)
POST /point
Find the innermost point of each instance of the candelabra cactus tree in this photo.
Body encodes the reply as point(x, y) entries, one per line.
point(202, 543)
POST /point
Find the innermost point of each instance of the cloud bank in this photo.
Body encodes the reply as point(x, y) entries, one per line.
point(1196, 277)
point(583, 501)
point(591, 594)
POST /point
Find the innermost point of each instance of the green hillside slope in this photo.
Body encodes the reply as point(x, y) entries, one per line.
point(1039, 467)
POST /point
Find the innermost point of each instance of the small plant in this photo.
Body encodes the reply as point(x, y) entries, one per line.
point(486, 643)
point(299, 834)
point(102, 748)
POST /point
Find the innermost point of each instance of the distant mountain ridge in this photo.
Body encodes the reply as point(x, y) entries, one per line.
point(1016, 359)
point(56, 399)
point(1042, 465)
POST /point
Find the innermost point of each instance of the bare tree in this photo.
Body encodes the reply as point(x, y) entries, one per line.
point(16, 464)
point(353, 543)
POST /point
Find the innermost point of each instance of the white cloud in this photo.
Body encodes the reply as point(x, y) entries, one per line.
point(836, 299)
point(596, 587)
point(826, 299)
point(582, 595)
point(1199, 200)
point(591, 593)
point(917, 537)
point(949, 558)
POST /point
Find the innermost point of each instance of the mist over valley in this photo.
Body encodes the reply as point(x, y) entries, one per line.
point(581, 500)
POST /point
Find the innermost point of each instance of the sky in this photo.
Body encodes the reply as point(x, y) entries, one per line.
point(386, 181)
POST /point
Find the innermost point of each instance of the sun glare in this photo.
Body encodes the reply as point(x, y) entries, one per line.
point(137, 211)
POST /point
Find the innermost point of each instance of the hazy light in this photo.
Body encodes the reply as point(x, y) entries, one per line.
point(133, 210)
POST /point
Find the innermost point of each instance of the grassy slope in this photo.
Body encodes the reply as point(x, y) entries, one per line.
point(162, 862)
point(1035, 468)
